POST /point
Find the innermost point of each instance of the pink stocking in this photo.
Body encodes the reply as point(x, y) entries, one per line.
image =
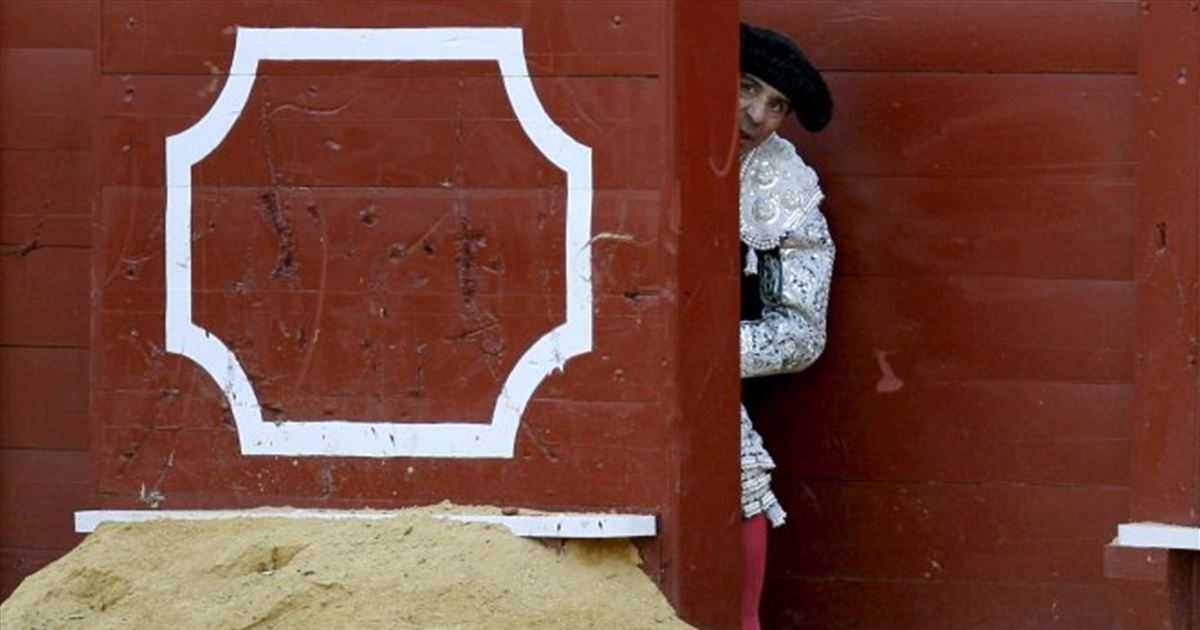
point(754, 568)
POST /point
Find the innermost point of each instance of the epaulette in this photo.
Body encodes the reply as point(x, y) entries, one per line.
point(778, 192)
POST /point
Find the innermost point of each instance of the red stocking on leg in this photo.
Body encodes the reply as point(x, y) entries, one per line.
point(754, 568)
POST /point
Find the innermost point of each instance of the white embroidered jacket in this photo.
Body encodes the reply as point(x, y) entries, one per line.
point(790, 249)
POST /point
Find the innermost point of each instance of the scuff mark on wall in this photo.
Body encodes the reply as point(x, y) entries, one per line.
point(319, 309)
point(286, 265)
point(888, 383)
point(477, 321)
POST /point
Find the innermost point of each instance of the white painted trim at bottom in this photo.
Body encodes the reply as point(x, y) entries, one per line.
point(539, 525)
point(1158, 536)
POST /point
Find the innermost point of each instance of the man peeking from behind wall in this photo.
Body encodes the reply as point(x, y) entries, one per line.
point(787, 255)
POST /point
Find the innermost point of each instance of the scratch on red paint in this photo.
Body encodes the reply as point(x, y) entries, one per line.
point(889, 383)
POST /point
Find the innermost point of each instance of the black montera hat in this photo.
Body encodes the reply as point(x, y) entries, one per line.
point(776, 60)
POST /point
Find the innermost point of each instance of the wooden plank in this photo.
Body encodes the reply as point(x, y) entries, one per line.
point(41, 183)
point(45, 297)
point(974, 125)
point(403, 317)
point(47, 70)
point(46, 198)
point(403, 367)
point(952, 532)
point(1031, 227)
point(375, 240)
point(1139, 586)
point(553, 422)
point(446, 132)
point(919, 557)
point(457, 91)
point(1019, 432)
point(702, 558)
point(370, 371)
point(589, 37)
point(1056, 36)
point(45, 401)
point(194, 468)
point(41, 114)
point(612, 372)
point(1194, 571)
point(929, 330)
point(1166, 465)
point(56, 24)
point(23, 232)
point(821, 603)
point(40, 491)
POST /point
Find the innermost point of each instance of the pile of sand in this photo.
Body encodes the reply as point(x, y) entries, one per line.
point(411, 571)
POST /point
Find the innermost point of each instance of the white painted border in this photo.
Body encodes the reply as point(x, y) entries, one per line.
point(551, 525)
point(378, 439)
point(1158, 536)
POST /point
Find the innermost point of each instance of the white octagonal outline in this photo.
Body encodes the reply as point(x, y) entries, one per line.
point(378, 439)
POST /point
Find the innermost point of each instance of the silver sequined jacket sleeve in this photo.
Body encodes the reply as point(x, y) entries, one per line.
point(791, 333)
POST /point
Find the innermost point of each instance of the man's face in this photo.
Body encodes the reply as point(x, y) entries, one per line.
point(761, 110)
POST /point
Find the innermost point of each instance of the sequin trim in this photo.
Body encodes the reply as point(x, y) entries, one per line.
point(778, 192)
point(780, 196)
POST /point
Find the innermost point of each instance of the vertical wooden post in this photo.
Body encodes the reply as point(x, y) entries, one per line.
point(1155, 588)
point(1166, 435)
point(703, 555)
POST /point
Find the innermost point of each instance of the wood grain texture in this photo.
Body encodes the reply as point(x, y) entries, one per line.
point(42, 114)
point(577, 38)
point(961, 454)
point(1138, 582)
point(974, 125)
point(824, 603)
point(922, 530)
point(1166, 448)
point(702, 558)
point(46, 198)
point(452, 131)
point(40, 491)
point(48, 76)
point(177, 463)
point(377, 240)
point(44, 297)
point(50, 24)
point(958, 459)
point(932, 35)
point(979, 432)
point(45, 401)
point(957, 329)
point(1041, 227)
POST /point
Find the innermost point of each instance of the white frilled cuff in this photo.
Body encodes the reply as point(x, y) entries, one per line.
point(757, 465)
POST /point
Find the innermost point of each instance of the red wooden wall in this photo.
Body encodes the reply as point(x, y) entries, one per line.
point(1165, 437)
point(959, 458)
point(47, 172)
point(965, 451)
point(380, 241)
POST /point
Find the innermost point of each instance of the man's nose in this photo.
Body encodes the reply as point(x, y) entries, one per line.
point(756, 111)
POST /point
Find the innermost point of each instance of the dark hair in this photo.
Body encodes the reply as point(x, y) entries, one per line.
point(776, 60)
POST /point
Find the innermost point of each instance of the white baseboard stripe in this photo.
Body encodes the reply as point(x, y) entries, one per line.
point(1158, 536)
point(540, 525)
point(535, 525)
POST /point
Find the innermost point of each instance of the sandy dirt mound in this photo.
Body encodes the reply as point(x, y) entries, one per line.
point(411, 571)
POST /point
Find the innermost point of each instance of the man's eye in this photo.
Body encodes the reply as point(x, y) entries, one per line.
point(778, 108)
point(749, 88)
